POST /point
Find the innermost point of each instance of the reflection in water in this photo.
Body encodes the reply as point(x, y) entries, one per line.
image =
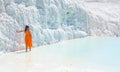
point(28, 62)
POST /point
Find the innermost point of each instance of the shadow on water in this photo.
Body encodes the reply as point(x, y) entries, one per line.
point(20, 52)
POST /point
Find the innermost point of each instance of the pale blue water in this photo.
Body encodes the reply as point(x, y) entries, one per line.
point(90, 52)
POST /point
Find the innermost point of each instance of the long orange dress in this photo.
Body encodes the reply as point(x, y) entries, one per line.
point(28, 39)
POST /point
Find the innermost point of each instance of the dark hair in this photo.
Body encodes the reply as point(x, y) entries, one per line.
point(26, 27)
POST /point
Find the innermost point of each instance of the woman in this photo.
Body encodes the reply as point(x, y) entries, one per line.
point(28, 38)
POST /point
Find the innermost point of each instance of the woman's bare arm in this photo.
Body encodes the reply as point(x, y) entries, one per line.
point(20, 31)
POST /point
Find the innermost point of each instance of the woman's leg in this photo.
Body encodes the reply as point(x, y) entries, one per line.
point(26, 49)
point(30, 49)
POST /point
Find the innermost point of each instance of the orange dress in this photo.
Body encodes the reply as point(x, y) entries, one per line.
point(28, 39)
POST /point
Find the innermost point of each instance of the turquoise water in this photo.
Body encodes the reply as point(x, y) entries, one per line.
point(89, 54)
point(92, 52)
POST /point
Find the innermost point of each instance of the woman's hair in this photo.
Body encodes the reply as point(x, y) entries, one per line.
point(26, 27)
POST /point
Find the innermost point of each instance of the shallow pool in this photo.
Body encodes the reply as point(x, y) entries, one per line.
point(90, 54)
